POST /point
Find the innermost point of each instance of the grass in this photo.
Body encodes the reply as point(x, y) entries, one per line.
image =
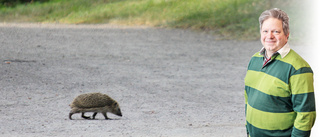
point(231, 19)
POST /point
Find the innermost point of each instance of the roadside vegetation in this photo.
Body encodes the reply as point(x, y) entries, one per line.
point(231, 19)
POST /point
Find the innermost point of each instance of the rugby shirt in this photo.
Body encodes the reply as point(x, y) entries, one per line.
point(279, 96)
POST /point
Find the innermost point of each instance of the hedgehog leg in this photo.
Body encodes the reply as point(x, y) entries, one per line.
point(70, 114)
point(94, 115)
point(83, 116)
point(105, 115)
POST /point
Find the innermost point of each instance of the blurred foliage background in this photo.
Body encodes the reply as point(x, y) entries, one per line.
point(12, 3)
point(230, 19)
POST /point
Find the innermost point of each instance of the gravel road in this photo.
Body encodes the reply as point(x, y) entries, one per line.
point(168, 82)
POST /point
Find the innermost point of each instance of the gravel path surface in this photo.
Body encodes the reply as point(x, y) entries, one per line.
point(168, 82)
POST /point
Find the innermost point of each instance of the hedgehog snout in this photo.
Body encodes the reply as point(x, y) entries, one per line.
point(119, 113)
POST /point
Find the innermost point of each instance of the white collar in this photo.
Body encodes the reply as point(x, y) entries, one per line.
point(283, 51)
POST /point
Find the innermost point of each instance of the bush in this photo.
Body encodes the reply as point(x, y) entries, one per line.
point(12, 3)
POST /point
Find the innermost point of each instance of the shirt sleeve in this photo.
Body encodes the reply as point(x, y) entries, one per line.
point(245, 110)
point(303, 101)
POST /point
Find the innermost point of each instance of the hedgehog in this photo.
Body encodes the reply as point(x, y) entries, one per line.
point(94, 102)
